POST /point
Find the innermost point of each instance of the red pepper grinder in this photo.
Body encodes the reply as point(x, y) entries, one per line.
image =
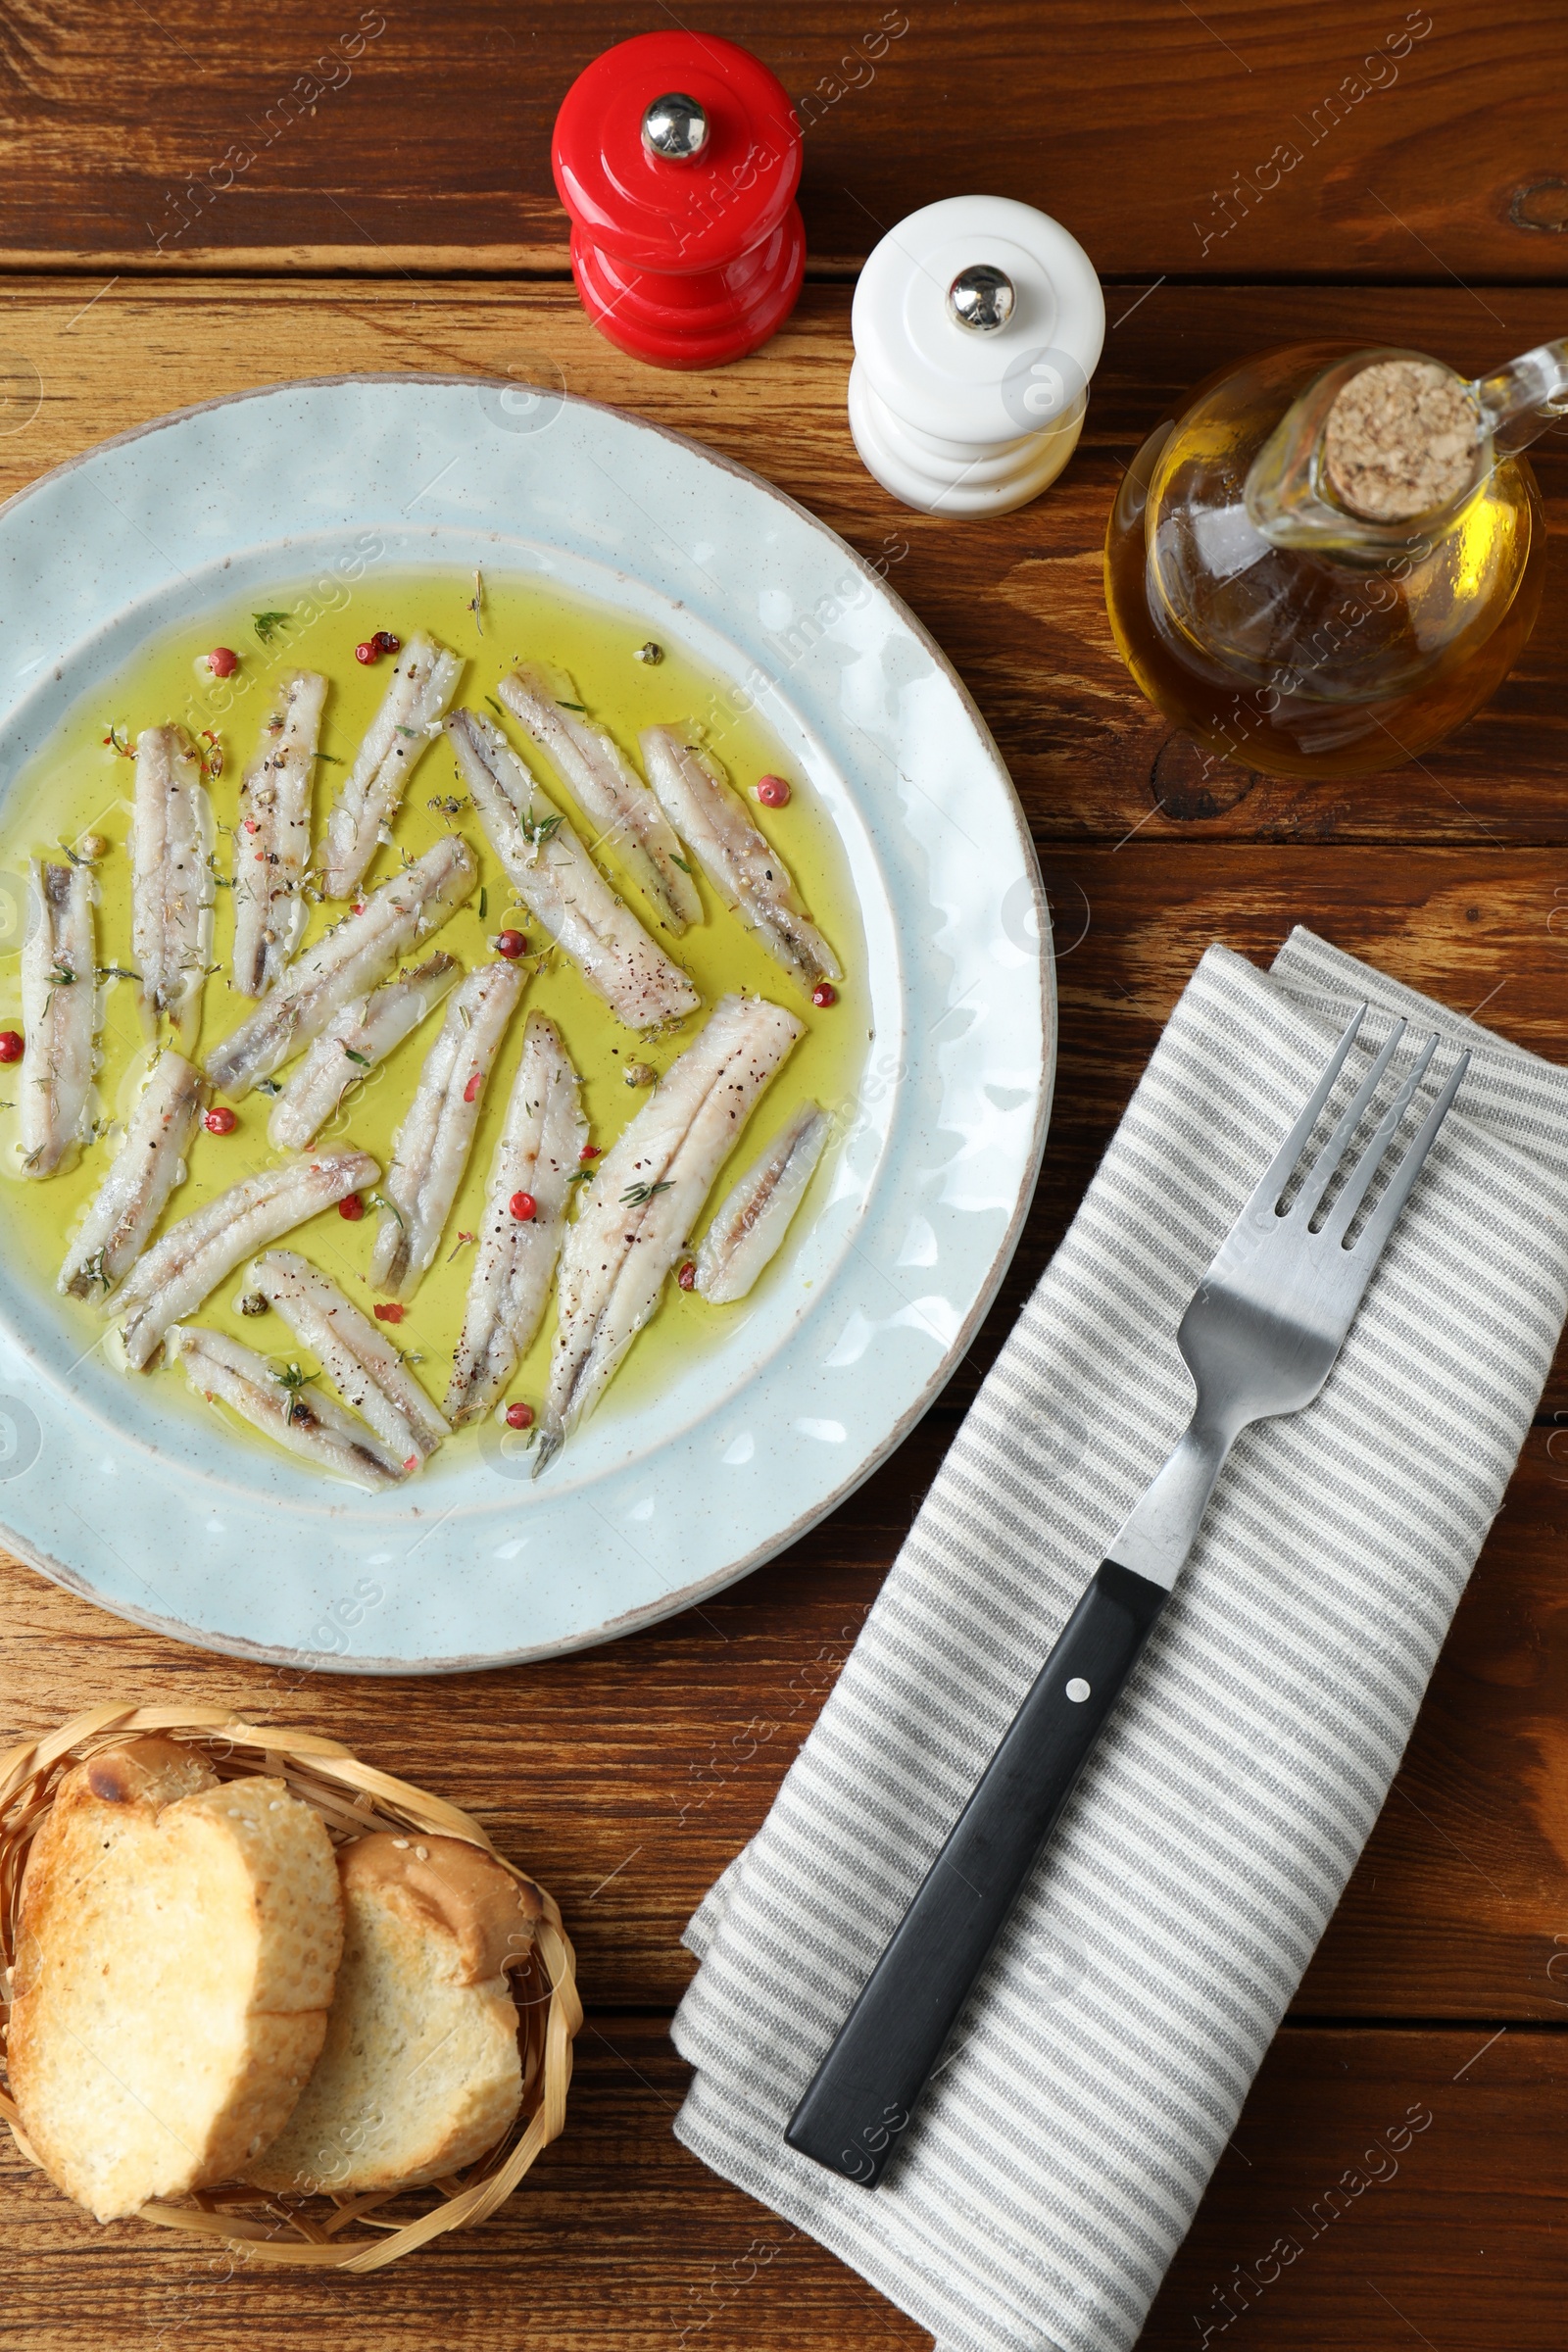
point(677, 156)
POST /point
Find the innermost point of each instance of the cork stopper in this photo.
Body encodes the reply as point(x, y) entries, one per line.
point(1401, 440)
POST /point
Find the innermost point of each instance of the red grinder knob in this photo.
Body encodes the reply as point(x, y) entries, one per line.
point(678, 157)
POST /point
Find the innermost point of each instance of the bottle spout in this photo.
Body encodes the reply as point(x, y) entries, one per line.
point(1389, 443)
point(1518, 402)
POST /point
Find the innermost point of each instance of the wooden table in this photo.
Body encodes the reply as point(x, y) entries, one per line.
point(393, 210)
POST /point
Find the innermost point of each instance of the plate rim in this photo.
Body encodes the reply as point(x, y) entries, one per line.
point(674, 1602)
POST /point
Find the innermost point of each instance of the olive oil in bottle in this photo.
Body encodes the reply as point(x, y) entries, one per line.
point(1333, 559)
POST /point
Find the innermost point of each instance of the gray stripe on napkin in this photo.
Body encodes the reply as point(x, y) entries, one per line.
point(1099, 2070)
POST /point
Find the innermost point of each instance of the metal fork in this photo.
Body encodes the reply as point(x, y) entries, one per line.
point(1259, 1338)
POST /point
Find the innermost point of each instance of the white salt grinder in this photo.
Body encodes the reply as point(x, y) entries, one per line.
point(977, 324)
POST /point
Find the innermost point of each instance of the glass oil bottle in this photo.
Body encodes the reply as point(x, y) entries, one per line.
point(1333, 559)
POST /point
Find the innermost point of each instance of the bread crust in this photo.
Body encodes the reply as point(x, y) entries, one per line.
point(463, 1893)
point(178, 1944)
point(422, 2071)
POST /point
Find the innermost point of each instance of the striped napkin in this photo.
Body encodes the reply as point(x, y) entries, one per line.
point(1099, 2070)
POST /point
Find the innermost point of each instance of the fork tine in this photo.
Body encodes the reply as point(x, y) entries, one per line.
point(1321, 1174)
point(1359, 1180)
point(1381, 1223)
point(1267, 1193)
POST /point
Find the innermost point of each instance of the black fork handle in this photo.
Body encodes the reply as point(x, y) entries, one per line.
point(866, 2088)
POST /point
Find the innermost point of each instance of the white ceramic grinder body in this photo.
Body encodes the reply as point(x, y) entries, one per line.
point(977, 324)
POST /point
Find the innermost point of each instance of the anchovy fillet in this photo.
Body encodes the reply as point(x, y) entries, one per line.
point(143, 1173)
point(560, 886)
point(173, 1278)
point(751, 1222)
point(60, 1015)
point(739, 861)
point(312, 1426)
point(354, 1041)
point(346, 962)
point(273, 842)
point(412, 710)
point(357, 1356)
point(607, 788)
point(646, 1196)
point(172, 875)
point(538, 1153)
point(432, 1148)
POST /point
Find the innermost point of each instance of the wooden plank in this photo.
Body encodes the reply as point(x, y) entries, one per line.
point(1457, 1907)
point(1017, 601)
point(1236, 140)
point(622, 2242)
point(1418, 2179)
point(628, 1778)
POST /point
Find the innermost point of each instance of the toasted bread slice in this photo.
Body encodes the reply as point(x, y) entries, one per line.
point(178, 1944)
point(422, 2071)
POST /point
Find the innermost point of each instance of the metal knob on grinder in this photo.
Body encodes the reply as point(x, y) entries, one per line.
point(676, 128)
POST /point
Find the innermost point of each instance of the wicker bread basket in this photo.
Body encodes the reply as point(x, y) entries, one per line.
point(322, 2233)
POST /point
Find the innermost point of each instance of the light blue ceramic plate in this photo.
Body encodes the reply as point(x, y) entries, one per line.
point(171, 1522)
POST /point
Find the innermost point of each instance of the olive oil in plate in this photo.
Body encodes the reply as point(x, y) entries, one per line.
point(80, 784)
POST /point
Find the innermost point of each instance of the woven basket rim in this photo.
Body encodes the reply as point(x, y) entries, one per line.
point(352, 1798)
